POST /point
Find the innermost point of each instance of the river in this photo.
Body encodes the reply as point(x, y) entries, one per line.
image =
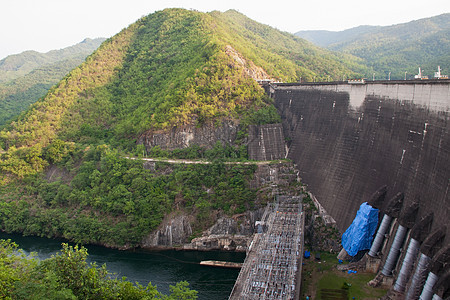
point(161, 268)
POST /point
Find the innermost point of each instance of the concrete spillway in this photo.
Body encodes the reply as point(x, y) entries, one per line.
point(350, 139)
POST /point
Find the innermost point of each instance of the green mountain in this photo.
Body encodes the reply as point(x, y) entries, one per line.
point(399, 48)
point(35, 73)
point(172, 69)
point(175, 68)
point(18, 65)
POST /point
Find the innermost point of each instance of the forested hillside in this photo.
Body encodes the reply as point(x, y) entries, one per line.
point(29, 75)
point(63, 171)
point(399, 48)
point(18, 65)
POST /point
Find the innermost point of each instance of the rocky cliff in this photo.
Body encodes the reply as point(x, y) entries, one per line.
point(182, 137)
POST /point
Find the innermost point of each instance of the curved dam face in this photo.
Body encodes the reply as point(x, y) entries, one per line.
point(350, 139)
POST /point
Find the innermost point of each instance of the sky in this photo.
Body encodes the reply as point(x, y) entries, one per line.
point(44, 25)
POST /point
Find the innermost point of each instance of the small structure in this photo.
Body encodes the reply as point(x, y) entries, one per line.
point(420, 76)
point(221, 264)
point(356, 81)
point(438, 75)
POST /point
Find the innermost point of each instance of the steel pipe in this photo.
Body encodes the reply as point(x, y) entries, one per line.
point(427, 292)
point(407, 266)
point(394, 252)
point(419, 277)
point(380, 235)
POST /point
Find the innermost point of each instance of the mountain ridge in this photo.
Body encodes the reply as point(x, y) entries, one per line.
point(400, 48)
point(17, 65)
point(325, 38)
point(17, 94)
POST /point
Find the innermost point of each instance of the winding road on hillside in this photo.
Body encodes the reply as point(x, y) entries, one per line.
point(205, 162)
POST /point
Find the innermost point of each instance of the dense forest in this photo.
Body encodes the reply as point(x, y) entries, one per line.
point(26, 77)
point(114, 201)
point(397, 49)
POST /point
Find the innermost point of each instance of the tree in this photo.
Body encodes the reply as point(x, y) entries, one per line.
point(181, 292)
point(67, 275)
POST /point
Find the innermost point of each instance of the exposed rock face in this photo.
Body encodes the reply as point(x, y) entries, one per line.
point(250, 68)
point(228, 242)
point(54, 173)
point(242, 224)
point(173, 231)
point(228, 233)
point(280, 174)
point(206, 136)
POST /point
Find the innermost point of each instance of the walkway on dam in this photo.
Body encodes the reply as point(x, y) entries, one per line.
point(272, 268)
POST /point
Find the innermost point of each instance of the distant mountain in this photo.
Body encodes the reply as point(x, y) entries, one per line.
point(398, 48)
point(34, 73)
point(17, 65)
point(325, 38)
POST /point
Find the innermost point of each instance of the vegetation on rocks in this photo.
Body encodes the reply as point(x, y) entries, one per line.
point(109, 200)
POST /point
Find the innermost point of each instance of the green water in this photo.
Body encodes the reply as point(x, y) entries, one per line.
point(161, 268)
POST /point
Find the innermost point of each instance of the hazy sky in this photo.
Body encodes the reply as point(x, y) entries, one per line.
point(43, 25)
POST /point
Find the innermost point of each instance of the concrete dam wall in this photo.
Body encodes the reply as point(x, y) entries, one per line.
point(348, 140)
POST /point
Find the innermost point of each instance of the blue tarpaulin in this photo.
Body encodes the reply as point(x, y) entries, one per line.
point(359, 234)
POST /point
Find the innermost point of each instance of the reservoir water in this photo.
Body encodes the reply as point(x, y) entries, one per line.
point(161, 268)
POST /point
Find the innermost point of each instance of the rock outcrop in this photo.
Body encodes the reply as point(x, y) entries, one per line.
point(173, 231)
point(182, 137)
point(228, 233)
